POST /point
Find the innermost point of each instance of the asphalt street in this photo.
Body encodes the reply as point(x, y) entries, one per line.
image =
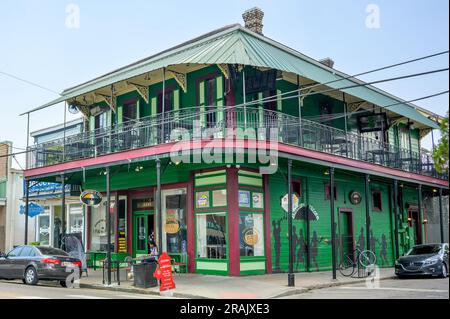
point(412, 288)
point(50, 290)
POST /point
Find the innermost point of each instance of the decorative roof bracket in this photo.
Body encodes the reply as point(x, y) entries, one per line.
point(181, 79)
point(111, 101)
point(142, 90)
point(225, 70)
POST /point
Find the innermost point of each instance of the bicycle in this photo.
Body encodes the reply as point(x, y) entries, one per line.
point(349, 263)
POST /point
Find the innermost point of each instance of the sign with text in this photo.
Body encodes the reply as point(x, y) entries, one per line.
point(164, 273)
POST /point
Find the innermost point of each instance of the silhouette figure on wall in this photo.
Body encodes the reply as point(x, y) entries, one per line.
point(295, 242)
point(302, 248)
point(373, 242)
point(361, 240)
point(383, 251)
point(277, 244)
point(315, 241)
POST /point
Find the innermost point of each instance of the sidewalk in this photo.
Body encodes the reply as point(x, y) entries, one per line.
point(220, 287)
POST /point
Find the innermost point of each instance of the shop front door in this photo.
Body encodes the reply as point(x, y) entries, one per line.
point(143, 231)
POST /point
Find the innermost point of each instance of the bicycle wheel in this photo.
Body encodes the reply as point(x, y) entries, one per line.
point(367, 258)
point(347, 266)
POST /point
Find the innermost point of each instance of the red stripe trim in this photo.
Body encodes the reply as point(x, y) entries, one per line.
point(219, 143)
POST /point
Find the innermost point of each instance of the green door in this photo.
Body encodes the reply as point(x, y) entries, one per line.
point(143, 227)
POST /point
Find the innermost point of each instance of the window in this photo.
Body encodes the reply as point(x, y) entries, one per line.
point(100, 120)
point(52, 251)
point(43, 233)
point(167, 103)
point(211, 236)
point(219, 198)
point(130, 111)
point(327, 191)
point(251, 235)
point(271, 104)
point(174, 220)
point(27, 251)
point(122, 224)
point(15, 252)
point(99, 235)
point(210, 102)
point(377, 201)
point(202, 199)
point(76, 220)
point(244, 198)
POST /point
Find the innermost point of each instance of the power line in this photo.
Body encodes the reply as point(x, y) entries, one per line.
point(29, 82)
point(367, 72)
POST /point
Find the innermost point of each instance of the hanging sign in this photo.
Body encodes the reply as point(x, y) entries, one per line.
point(33, 209)
point(164, 273)
point(91, 198)
point(295, 203)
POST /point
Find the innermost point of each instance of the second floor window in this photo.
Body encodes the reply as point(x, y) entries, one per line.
point(167, 101)
point(100, 120)
point(210, 102)
point(130, 111)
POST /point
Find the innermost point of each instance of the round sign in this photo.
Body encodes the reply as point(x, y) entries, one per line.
point(251, 236)
point(355, 198)
point(172, 226)
point(91, 198)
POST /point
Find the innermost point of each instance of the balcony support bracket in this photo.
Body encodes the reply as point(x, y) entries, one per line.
point(181, 79)
point(142, 90)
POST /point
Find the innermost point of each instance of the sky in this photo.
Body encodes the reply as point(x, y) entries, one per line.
point(40, 42)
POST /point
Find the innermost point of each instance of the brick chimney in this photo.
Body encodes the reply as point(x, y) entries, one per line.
point(328, 62)
point(253, 19)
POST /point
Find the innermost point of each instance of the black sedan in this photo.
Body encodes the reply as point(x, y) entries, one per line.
point(429, 259)
point(34, 263)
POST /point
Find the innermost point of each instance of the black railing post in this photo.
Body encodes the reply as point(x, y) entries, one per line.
point(367, 195)
point(27, 201)
point(441, 216)
point(63, 210)
point(158, 203)
point(395, 208)
point(109, 222)
point(291, 276)
point(333, 224)
point(420, 221)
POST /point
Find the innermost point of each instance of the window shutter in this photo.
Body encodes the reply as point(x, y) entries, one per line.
point(153, 103)
point(279, 101)
point(220, 99)
point(261, 115)
point(202, 97)
point(176, 104)
point(120, 114)
point(91, 123)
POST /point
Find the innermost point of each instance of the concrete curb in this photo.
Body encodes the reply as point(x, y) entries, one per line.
point(297, 291)
point(139, 291)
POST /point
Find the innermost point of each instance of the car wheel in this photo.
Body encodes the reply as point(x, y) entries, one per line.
point(31, 277)
point(444, 272)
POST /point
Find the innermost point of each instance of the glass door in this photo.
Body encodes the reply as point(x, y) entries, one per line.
point(143, 232)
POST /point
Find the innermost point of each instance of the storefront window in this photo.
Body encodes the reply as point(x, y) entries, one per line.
point(251, 234)
point(76, 220)
point(202, 199)
point(122, 224)
point(44, 230)
point(174, 221)
point(99, 234)
point(57, 226)
point(244, 198)
point(211, 236)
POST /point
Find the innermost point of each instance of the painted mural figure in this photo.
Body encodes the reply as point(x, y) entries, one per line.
point(373, 242)
point(315, 241)
point(361, 240)
point(277, 245)
point(302, 248)
point(295, 242)
point(383, 252)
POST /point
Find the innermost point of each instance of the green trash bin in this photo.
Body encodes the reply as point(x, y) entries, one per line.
point(143, 274)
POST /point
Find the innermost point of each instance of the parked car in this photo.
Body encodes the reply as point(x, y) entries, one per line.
point(429, 259)
point(34, 263)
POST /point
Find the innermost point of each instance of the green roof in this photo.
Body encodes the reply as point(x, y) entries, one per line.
point(235, 44)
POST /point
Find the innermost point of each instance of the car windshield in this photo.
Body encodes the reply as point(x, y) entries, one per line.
point(425, 250)
point(52, 251)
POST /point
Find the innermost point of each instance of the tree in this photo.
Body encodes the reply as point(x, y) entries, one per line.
point(440, 153)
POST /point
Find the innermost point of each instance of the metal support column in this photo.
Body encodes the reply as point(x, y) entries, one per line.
point(244, 99)
point(395, 208)
point(64, 132)
point(109, 223)
point(163, 106)
point(158, 203)
point(441, 216)
point(27, 199)
point(333, 223)
point(420, 221)
point(367, 191)
point(300, 111)
point(63, 209)
point(345, 124)
point(291, 276)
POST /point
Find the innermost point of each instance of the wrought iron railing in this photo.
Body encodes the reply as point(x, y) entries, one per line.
point(214, 122)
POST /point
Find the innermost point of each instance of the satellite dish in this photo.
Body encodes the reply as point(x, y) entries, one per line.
point(73, 109)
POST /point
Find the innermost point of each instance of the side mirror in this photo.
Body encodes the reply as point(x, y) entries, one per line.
point(2, 255)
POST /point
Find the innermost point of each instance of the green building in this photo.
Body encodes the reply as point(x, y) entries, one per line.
point(194, 146)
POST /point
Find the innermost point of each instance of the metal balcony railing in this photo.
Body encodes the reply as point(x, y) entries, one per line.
point(216, 122)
